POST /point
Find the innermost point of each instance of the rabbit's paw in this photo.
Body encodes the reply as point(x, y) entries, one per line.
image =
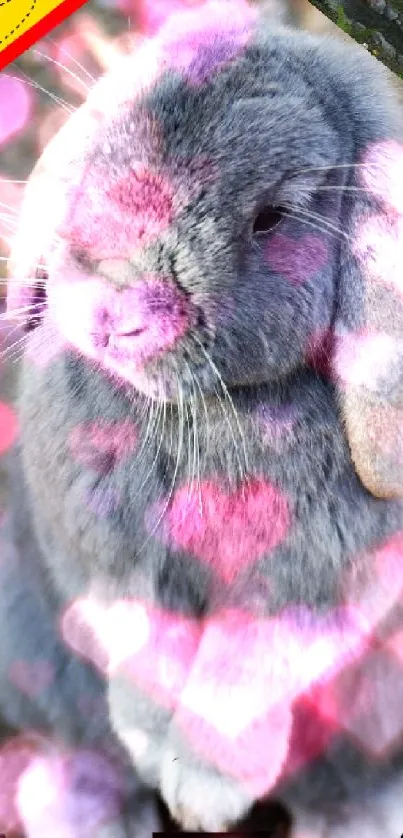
point(200, 798)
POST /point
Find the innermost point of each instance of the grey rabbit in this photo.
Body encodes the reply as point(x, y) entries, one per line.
point(209, 466)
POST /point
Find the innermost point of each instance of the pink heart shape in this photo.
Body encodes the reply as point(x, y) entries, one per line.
point(298, 260)
point(99, 445)
point(227, 530)
point(138, 207)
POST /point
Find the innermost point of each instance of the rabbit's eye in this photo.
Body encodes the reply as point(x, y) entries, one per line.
point(266, 220)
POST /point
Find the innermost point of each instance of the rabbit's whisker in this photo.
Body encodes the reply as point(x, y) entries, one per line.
point(207, 446)
point(190, 480)
point(184, 417)
point(11, 352)
point(12, 180)
point(159, 413)
point(19, 312)
point(343, 189)
point(63, 67)
point(29, 282)
point(227, 417)
point(9, 334)
point(323, 222)
point(8, 225)
point(74, 60)
point(173, 481)
point(67, 106)
point(193, 407)
point(243, 470)
point(145, 402)
point(305, 220)
point(152, 421)
point(8, 207)
point(44, 340)
point(191, 457)
point(8, 217)
point(330, 168)
point(190, 438)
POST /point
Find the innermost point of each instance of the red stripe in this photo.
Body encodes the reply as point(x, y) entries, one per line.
point(56, 16)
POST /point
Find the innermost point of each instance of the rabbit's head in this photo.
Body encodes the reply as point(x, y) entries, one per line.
point(225, 204)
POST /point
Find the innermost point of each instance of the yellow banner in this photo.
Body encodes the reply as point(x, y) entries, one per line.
point(24, 21)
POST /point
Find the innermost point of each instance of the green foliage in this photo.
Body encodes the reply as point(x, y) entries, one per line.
point(342, 21)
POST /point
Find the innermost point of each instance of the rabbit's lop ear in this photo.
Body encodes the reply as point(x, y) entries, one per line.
point(368, 359)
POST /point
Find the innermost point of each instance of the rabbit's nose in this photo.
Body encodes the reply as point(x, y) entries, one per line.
point(144, 321)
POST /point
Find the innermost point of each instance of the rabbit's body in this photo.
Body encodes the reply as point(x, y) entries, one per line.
point(229, 283)
point(326, 505)
point(289, 438)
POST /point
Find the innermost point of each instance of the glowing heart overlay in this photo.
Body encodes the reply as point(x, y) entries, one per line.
point(228, 532)
point(229, 681)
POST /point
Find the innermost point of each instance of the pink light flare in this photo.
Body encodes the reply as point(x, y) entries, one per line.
point(16, 104)
point(221, 29)
point(153, 14)
point(381, 172)
point(8, 427)
point(198, 669)
point(363, 357)
point(378, 246)
point(16, 754)
point(71, 795)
